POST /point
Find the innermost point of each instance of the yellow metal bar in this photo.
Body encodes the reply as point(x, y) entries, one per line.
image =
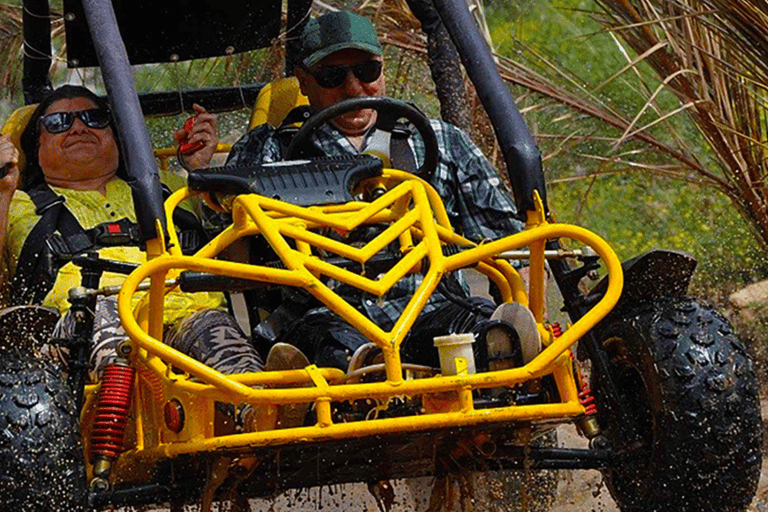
point(497, 278)
point(515, 280)
point(362, 254)
point(138, 416)
point(564, 379)
point(320, 217)
point(461, 260)
point(322, 405)
point(378, 287)
point(174, 247)
point(339, 431)
point(537, 273)
point(537, 281)
point(155, 248)
point(435, 201)
point(172, 151)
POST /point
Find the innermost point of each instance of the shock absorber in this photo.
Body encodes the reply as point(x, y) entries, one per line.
point(109, 425)
point(588, 423)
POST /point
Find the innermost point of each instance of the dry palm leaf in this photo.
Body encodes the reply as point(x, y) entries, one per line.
point(713, 55)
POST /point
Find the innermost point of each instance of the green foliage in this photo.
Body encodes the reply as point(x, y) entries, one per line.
point(635, 214)
point(632, 208)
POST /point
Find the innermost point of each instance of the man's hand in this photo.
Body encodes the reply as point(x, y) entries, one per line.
point(203, 132)
point(9, 157)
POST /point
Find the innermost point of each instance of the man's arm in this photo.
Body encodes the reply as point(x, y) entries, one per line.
point(204, 131)
point(258, 146)
point(9, 156)
point(473, 192)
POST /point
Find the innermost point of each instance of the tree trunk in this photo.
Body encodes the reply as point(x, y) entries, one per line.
point(444, 64)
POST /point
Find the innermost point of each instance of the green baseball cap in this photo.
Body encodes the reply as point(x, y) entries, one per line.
point(336, 31)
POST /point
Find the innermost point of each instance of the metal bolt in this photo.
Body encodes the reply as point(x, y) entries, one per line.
point(125, 348)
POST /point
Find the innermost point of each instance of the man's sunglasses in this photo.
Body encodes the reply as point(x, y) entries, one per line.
point(58, 122)
point(329, 77)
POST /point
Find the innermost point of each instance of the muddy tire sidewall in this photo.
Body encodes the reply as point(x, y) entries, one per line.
point(692, 385)
point(41, 458)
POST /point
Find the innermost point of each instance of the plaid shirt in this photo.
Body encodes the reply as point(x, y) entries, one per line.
point(477, 203)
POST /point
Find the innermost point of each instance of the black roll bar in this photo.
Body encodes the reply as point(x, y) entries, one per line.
point(36, 19)
point(136, 146)
point(214, 99)
point(520, 152)
point(298, 14)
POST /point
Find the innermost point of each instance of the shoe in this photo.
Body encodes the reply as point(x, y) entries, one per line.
point(283, 356)
point(258, 418)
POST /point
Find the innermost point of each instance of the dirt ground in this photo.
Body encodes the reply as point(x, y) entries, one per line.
point(577, 491)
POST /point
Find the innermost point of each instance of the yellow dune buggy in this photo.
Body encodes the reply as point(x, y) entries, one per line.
point(670, 405)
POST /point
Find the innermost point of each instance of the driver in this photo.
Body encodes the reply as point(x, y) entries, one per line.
point(342, 58)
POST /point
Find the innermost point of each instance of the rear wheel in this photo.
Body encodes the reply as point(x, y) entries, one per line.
point(689, 382)
point(41, 456)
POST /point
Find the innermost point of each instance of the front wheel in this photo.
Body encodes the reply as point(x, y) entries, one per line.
point(689, 384)
point(41, 456)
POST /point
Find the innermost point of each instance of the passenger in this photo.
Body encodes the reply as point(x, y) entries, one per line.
point(342, 58)
point(72, 153)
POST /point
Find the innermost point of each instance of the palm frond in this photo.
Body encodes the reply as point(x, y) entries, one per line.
point(715, 61)
point(11, 47)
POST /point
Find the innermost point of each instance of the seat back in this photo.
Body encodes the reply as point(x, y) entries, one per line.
point(275, 100)
point(15, 125)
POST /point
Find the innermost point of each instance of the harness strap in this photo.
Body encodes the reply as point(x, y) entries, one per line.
point(57, 231)
point(400, 152)
point(58, 236)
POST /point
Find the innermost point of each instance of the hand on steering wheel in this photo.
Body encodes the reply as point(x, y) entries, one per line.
point(388, 112)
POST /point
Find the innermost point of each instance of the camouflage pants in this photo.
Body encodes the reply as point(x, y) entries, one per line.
point(210, 336)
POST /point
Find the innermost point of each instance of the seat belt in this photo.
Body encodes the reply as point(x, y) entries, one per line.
point(400, 152)
point(58, 236)
point(56, 233)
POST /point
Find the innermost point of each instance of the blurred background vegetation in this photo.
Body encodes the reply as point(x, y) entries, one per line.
point(623, 192)
point(627, 149)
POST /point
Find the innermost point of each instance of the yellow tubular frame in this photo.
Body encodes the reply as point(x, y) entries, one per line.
point(418, 220)
point(164, 154)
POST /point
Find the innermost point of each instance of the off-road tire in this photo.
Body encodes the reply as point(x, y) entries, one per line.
point(690, 382)
point(41, 455)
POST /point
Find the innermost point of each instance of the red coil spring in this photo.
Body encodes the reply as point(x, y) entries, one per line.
point(112, 410)
point(586, 398)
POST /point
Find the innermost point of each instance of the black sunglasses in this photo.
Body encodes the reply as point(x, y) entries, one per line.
point(329, 77)
point(58, 122)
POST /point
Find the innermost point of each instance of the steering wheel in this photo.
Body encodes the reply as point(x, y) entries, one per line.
point(388, 112)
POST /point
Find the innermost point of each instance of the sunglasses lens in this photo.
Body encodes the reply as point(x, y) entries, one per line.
point(95, 117)
point(58, 121)
point(331, 76)
point(368, 71)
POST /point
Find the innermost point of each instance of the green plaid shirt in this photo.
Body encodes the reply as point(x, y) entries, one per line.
point(476, 200)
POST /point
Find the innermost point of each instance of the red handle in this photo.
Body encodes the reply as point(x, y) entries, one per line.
point(185, 147)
